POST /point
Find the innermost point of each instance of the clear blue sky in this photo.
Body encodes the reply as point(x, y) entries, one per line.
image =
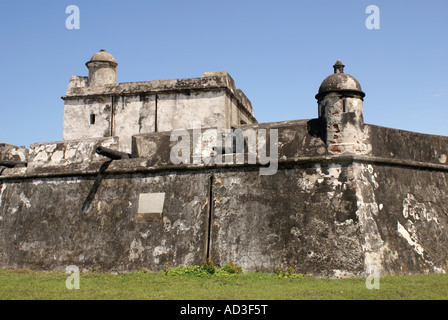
point(278, 53)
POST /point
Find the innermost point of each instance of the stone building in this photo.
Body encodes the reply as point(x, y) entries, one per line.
point(96, 106)
point(345, 195)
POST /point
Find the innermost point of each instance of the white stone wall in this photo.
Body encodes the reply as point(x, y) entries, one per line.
point(77, 118)
point(133, 115)
point(127, 115)
point(179, 110)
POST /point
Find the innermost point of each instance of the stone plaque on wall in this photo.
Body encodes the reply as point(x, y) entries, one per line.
point(150, 206)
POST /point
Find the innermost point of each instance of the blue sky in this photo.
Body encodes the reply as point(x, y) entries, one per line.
point(278, 53)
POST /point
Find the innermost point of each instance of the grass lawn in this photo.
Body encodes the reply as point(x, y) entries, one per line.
point(25, 284)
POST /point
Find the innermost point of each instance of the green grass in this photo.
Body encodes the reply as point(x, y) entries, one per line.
point(25, 284)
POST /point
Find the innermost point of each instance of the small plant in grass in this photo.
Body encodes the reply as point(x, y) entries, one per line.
point(287, 271)
point(230, 267)
point(208, 266)
point(166, 268)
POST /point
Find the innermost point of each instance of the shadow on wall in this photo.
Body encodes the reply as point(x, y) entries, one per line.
point(96, 185)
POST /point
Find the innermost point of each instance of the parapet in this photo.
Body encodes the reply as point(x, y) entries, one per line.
point(408, 147)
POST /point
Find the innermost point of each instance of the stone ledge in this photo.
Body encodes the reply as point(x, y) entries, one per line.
point(140, 165)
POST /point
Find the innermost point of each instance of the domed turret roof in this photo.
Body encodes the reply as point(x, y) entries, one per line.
point(104, 56)
point(339, 82)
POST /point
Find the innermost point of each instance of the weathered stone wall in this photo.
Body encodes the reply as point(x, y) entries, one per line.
point(406, 145)
point(313, 216)
point(410, 211)
point(402, 195)
point(329, 215)
point(92, 222)
point(297, 216)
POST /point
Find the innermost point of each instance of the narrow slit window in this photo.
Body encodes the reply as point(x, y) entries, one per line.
point(92, 118)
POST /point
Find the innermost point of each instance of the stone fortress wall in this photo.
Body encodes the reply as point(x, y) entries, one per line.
point(345, 195)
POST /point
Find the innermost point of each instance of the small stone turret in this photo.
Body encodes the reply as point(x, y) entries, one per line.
point(340, 101)
point(102, 69)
